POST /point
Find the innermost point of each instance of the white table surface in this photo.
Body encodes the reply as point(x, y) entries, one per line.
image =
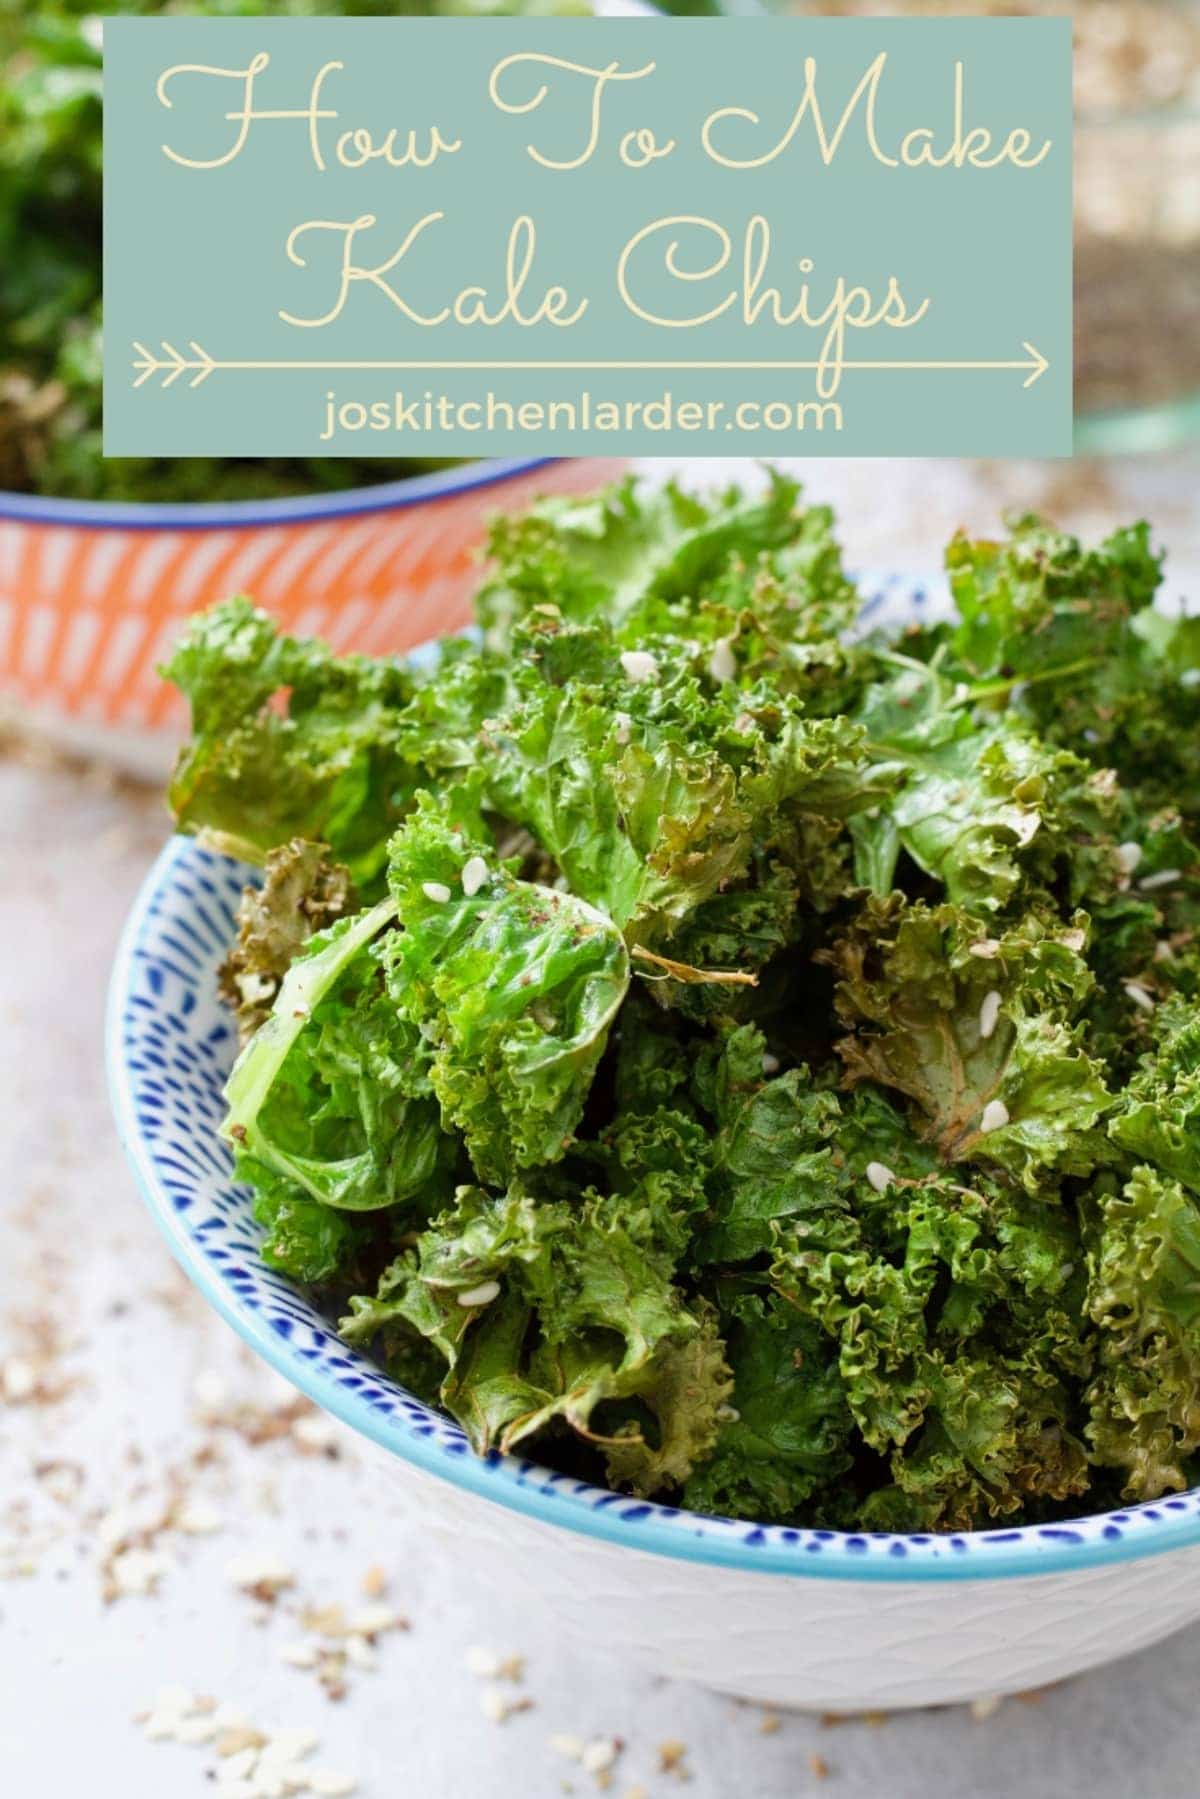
point(114, 1439)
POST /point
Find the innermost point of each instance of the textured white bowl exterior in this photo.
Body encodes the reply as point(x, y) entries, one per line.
point(811, 1644)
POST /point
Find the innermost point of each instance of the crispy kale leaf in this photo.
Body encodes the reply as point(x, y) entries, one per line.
point(1143, 1254)
point(1094, 668)
point(302, 893)
point(654, 792)
point(955, 1323)
point(1157, 1118)
point(767, 1068)
point(786, 1434)
point(667, 562)
point(775, 1153)
point(1038, 601)
point(976, 1031)
point(323, 764)
point(985, 808)
point(333, 1094)
point(547, 1311)
point(513, 985)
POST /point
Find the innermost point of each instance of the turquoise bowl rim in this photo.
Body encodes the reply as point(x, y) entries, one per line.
point(437, 1447)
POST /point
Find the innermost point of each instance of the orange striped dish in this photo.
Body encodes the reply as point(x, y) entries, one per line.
point(92, 595)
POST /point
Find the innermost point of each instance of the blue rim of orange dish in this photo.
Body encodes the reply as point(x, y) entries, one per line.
point(199, 515)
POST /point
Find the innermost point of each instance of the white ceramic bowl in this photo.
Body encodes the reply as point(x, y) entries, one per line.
point(786, 1616)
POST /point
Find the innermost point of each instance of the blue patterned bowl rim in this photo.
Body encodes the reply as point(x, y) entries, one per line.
point(208, 515)
point(168, 1048)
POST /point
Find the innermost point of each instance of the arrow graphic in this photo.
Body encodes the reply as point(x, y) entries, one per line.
point(200, 365)
point(1040, 365)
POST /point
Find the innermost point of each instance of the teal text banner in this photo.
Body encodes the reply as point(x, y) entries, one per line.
point(559, 237)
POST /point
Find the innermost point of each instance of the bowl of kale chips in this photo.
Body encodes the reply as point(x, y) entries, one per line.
point(705, 1075)
point(101, 558)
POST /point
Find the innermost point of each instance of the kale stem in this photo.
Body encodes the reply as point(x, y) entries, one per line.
point(986, 690)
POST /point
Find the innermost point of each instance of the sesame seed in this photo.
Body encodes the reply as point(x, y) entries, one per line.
point(237, 1766)
point(20, 1379)
point(137, 1571)
point(494, 1704)
point(474, 874)
point(210, 1391)
point(1074, 940)
point(239, 1746)
point(570, 1746)
point(315, 1431)
point(360, 1654)
point(987, 948)
point(995, 1116)
point(231, 1719)
point(116, 1526)
point(196, 1730)
point(373, 1620)
point(484, 1662)
point(639, 665)
point(330, 1783)
point(624, 727)
point(722, 664)
point(269, 1783)
point(280, 1391)
point(374, 1581)
point(1163, 951)
point(1140, 996)
point(1128, 856)
point(982, 1709)
point(291, 1744)
point(437, 891)
point(300, 1655)
point(1166, 877)
point(989, 1012)
point(259, 1568)
point(770, 1064)
point(599, 1755)
point(727, 1414)
point(482, 1295)
point(197, 1519)
point(879, 1176)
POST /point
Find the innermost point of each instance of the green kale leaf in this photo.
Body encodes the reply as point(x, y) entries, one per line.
point(976, 1031)
point(514, 987)
point(1143, 1254)
point(287, 741)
